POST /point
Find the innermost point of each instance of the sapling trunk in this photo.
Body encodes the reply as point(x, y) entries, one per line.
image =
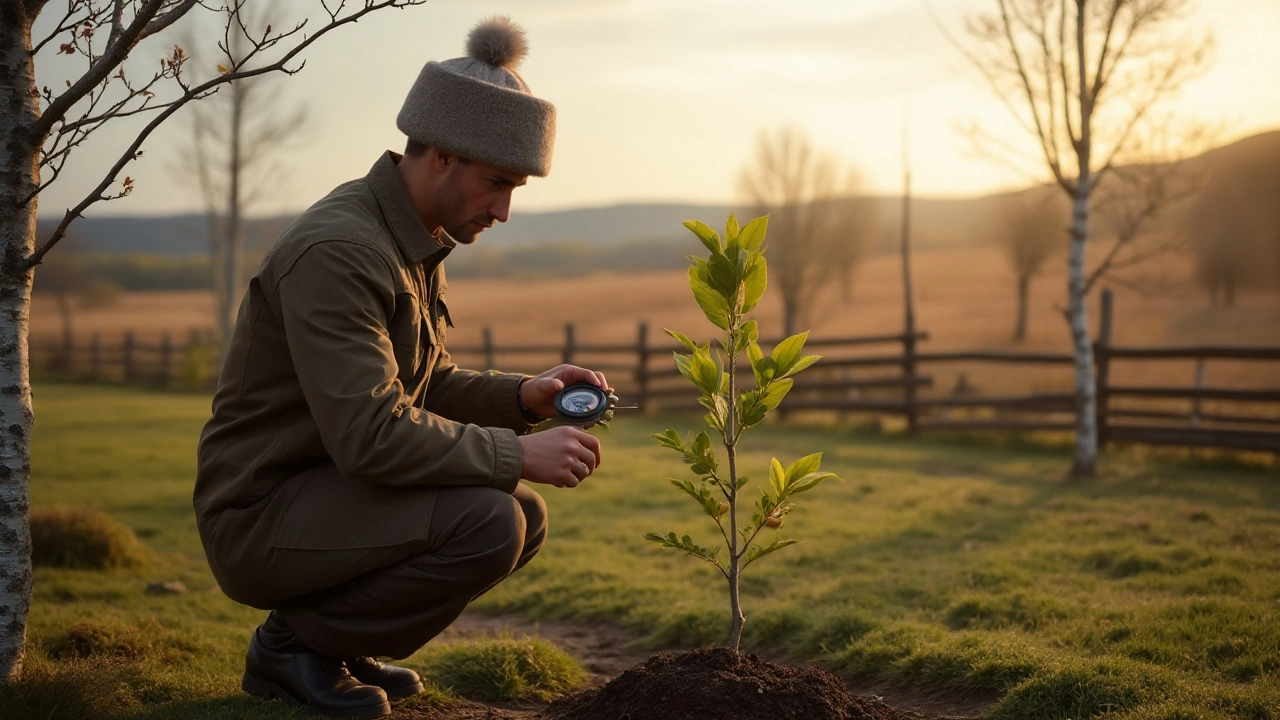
point(731, 449)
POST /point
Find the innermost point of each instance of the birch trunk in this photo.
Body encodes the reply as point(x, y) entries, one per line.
point(19, 176)
point(1086, 459)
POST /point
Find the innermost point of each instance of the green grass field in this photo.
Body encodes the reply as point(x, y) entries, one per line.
point(1150, 593)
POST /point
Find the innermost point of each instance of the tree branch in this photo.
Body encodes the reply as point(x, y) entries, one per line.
point(281, 65)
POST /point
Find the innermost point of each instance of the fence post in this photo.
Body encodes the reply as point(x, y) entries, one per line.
point(486, 343)
point(127, 356)
point(909, 376)
point(1102, 369)
point(568, 344)
point(642, 367)
point(95, 358)
point(1195, 402)
point(166, 360)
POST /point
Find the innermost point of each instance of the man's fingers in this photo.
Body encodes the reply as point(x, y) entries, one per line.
point(590, 442)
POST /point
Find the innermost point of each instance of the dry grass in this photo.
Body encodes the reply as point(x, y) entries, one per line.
point(964, 300)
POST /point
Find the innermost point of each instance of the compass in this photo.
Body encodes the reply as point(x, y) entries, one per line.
point(585, 404)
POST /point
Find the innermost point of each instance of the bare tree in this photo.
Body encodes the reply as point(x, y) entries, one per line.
point(820, 231)
point(1234, 225)
point(1029, 230)
point(40, 128)
point(1084, 78)
point(237, 137)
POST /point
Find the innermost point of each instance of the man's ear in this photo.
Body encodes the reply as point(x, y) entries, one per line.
point(441, 160)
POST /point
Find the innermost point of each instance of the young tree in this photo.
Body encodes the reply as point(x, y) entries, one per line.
point(1029, 231)
point(821, 231)
point(1084, 78)
point(237, 137)
point(40, 128)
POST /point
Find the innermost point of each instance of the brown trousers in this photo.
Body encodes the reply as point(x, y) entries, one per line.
point(356, 569)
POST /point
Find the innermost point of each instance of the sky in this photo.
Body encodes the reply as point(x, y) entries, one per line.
point(662, 100)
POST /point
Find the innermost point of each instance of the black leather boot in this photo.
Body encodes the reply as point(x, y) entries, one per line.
point(398, 682)
point(279, 666)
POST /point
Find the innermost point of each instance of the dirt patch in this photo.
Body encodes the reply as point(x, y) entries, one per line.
point(609, 652)
point(720, 684)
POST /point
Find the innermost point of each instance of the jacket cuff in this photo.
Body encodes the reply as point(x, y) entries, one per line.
point(506, 395)
point(507, 459)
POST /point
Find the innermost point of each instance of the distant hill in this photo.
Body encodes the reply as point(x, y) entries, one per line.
point(625, 228)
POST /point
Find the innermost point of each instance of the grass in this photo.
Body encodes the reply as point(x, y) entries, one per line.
point(1149, 593)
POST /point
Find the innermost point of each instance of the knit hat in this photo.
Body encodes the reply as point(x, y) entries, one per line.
point(479, 107)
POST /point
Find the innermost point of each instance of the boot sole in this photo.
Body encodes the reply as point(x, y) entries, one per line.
point(401, 693)
point(270, 691)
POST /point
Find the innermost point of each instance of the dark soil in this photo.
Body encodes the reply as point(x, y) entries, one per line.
point(719, 684)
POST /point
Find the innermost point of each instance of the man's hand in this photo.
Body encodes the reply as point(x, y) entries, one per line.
point(539, 393)
point(562, 456)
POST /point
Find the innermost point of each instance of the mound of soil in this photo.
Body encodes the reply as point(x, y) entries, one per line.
point(719, 684)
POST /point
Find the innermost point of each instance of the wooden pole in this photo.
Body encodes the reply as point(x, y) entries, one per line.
point(95, 358)
point(1102, 361)
point(908, 298)
point(642, 367)
point(127, 356)
point(166, 360)
point(486, 343)
point(1195, 403)
point(568, 344)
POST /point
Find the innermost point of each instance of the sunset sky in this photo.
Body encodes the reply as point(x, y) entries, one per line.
point(660, 100)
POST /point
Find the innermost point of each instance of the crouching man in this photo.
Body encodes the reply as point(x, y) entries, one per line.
point(352, 479)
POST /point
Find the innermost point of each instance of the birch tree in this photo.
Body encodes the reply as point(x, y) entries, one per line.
point(820, 230)
point(1085, 79)
point(40, 129)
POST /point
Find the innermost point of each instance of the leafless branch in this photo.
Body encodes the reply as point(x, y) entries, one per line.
point(149, 10)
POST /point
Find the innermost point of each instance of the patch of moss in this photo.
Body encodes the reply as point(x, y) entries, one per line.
point(71, 537)
point(504, 669)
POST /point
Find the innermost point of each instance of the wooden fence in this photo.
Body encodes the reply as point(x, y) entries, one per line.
point(877, 375)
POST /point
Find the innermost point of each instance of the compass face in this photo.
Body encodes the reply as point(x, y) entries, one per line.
point(578, 402)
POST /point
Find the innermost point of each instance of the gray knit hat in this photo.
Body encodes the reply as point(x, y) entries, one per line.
point(478, 106)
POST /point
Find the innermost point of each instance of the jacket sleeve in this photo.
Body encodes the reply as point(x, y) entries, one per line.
point(334, 303)
point(484, 398)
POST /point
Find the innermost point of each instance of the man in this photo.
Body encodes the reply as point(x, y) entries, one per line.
point(352, 479)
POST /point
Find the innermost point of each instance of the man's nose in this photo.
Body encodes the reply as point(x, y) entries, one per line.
point(500, 208)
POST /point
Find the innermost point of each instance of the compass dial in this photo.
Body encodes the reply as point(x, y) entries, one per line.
point(579, 402)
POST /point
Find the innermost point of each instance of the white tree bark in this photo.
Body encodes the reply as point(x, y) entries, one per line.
point(1086, 458)
point(19, 175)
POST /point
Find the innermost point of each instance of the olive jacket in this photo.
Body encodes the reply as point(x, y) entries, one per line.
point(338, 359)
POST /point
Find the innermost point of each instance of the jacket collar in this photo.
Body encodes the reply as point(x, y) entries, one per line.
point(397, 209)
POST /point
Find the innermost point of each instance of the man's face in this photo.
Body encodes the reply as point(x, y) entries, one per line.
point(473, 196)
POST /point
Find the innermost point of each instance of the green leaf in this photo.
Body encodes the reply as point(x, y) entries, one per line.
point(706, 371)
point(777, 478)
point(683, 339)
point(713, 305)
point(774, 393)
point(803, 466)
point(731, 228)
point(723, 277)
point(705, 234)
point(742, 482)
point(747, 333)
point(755, 280)
point(756, 553)
point(753, 234)
point(809, 482)
point(801, 364)
point(684, 363)
point(686, 544)
point(787, 353)
point(670, 438)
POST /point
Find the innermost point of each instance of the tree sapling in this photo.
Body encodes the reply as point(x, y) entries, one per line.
point(727, 286)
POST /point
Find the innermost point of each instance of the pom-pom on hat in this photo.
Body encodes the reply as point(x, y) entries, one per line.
point(480, 108)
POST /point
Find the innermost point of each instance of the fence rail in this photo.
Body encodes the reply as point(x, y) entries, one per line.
point(853, 377)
